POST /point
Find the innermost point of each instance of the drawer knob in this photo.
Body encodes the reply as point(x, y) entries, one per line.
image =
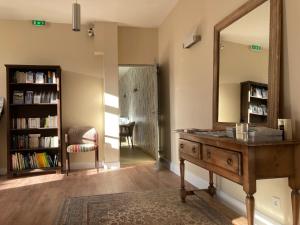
point(208, 155)
point(229, 162)
point(181, 145)
point(194, 149)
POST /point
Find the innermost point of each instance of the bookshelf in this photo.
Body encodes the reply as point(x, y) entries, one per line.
point(254, 102)
point(34, 143)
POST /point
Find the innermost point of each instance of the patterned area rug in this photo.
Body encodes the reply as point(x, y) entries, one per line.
point(161, 207)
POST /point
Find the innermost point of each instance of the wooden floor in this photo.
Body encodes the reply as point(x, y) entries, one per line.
point(136, 156)
point(36, 200)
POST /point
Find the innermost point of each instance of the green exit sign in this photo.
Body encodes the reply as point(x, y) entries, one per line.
point(256, 48)
point(38, 23)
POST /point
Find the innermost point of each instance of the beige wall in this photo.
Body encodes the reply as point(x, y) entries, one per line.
point(230, 102)
point(137, 45)
point(106, 44)
point(82, 82)
point(187, 75)
point(93, 61)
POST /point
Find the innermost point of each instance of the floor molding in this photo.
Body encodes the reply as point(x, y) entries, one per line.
point(238, 206)
point(3, 171)
point(111, 165)
point(163, 163)
point(91, 165)
point(84, 165)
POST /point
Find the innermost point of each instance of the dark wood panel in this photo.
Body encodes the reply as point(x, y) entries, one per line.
point(190, 148)
point(228, 160)
point(244, 163)
point(274, 162)
point(32, 110)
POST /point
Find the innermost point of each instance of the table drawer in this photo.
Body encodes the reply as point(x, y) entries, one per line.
point(225, 159)
point(190, 148)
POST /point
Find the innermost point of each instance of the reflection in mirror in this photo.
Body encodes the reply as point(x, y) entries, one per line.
point(243, 68)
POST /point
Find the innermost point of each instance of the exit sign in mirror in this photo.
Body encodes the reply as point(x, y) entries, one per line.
point(38, 23)
point(256, 48)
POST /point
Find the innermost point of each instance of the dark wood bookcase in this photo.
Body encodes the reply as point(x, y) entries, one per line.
point(33, 110)
point(254, 95)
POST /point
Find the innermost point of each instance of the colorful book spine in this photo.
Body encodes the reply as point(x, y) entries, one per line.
point(33, 161)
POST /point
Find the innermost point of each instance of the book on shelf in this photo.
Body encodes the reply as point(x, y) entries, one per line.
point(35, 123)
point(53, 98)
point(33, 141)
point(18, 97)
point(19, 123)
point(49, 122)
point(20, 141)
point(29, 97)
point(30, 77)
point(37, 98)
point(51, 78)
point(45, 97)
point(20, 77)
point(258, 109)
point(54, 142)
point(33, 161)
point(39, 78)
point(259, 92)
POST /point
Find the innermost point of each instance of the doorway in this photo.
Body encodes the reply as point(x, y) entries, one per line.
point(138, 114)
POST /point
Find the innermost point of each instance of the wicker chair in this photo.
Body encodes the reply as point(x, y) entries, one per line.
point(81, 139)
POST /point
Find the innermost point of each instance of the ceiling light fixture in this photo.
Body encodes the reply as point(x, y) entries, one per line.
point(76, 17)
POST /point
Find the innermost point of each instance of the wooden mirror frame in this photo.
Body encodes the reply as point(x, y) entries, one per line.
point(275, 45)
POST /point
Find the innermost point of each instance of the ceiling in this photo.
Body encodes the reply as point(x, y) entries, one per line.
point(253, 28)
point(141, 13)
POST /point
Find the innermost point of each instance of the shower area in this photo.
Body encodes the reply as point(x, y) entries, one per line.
point(138, 114)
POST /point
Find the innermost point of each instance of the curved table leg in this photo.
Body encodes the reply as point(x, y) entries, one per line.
point(250, 205)
point(211, 188)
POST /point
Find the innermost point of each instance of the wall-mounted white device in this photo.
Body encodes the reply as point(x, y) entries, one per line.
point(91, 30)
point(192, 38)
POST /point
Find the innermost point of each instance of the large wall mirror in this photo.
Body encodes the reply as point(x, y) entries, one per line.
point(247, 59)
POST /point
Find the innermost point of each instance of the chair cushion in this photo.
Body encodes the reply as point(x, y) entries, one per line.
point(81, 148)
point(82, 135)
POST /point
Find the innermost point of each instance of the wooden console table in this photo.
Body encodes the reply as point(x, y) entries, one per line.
point(243, 163)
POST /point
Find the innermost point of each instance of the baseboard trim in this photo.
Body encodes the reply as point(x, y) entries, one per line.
point(111, 165)
point(91, 165)
point(236, 205)
point(3, 171)
point(164, 163)
point(84, 165)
